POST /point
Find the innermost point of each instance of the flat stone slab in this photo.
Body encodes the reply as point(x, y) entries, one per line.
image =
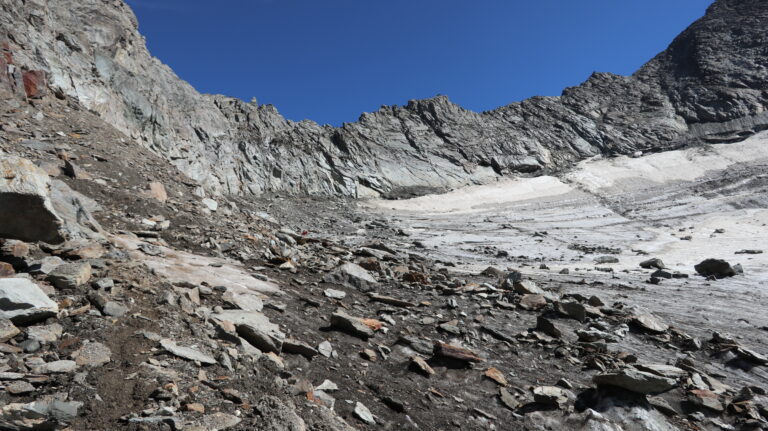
point(22, 301)
point(186, 352)
point(636, 381)
point(183, 268)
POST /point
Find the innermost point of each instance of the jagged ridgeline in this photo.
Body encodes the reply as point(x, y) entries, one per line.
point(708, 85)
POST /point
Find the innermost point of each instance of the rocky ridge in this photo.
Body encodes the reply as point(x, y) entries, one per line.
point(706, 86)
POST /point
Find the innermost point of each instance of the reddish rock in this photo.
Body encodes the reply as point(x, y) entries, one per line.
point(420, 366)
point(13, 248)
point(157, 191)
point(34, 83)
point(7, 54)
point(415, 277)
point(443, 350)
point(6, 270)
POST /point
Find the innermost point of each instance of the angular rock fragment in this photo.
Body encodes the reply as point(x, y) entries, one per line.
point(359, 327)
point(649, 322)
point(391, 301)
point(662, 370)
point(20, 387)
point(552, 396)
point(547, 326)
point(448, 351)
point(38, 415)
point(527, 287)
point(532, 302)
point(636, 381)
point(57, 367)
point(255, 328)
point(45, 265)
point(92, 355)
point(6, 270)
point(652, 263)
point(327, 386)
point(297, 347)
point(325, 349)
point(7, 330)
point(334, 294)
point(22, 301)
point(186, 352)
point(70, 275)
point(26, 212)
point(352, 275)
point(211, 204)
point(572, 309)
point(706, 399)
point(717, 268)
point(419, 365)
point(362, 413)
point(496, 375)
point(508, 400)
point(45, 333)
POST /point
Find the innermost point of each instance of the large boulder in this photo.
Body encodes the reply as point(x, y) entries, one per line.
point(26, 211)
point(717, 268)
point(21, 301)
point(34, 208)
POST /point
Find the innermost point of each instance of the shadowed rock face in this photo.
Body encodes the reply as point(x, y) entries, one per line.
point(709, 84)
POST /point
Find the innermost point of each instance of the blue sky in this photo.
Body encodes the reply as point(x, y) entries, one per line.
point(331, 60)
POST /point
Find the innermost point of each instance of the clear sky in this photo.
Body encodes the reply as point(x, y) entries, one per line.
point(331, 60)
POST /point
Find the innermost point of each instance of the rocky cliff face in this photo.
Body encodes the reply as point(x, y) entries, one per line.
point(709, 84)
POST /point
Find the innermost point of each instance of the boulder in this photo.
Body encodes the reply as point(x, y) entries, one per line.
point(351, 275)
point(27, 212)
point(70, 275)
point(533, 302)
point(717, 268)
point(649, 322)
point(572, 309)
point(652, 263)
point(527, 287)
point(547, 326)
point(22, 301)
point(552, 395)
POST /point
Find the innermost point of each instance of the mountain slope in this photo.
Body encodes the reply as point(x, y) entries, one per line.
point(712, 73)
